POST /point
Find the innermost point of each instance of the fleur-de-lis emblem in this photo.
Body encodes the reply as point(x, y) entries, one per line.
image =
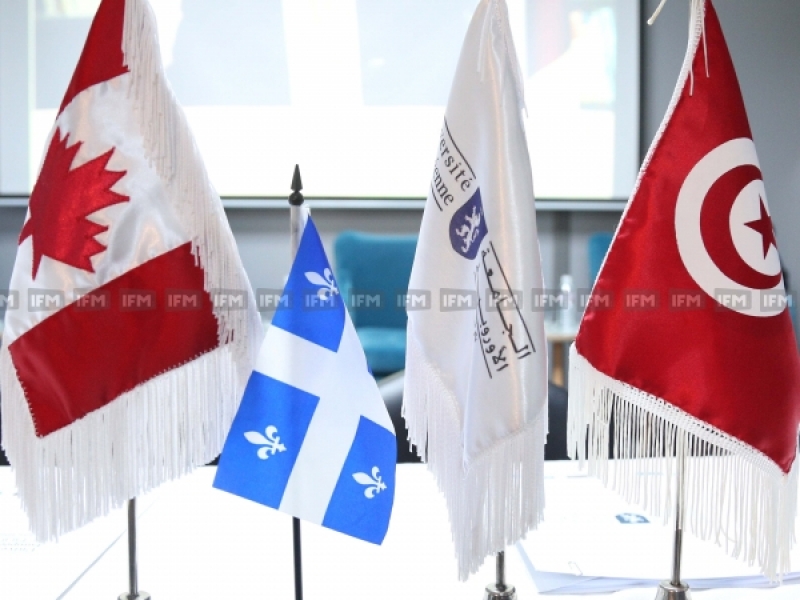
point(374, 484)
point(270, 445)
point(325, 280)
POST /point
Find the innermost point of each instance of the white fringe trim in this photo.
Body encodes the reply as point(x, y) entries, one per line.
point(500, 497)
point(735, 496)
point(497, 17)
point(164, 427)
point(172, 152)
point(159, 431)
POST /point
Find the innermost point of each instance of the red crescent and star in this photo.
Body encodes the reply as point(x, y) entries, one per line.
point(763, 225)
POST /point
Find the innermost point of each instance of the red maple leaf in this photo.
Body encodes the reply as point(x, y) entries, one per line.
point(61, 201)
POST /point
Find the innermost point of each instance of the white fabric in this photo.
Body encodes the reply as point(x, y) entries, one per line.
point(101, 118)
point(463, 409)
point(346, 391)
point(168, 425)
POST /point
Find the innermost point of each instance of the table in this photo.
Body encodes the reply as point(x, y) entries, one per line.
point(198, 543)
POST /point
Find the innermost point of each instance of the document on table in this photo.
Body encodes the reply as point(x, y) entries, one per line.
point(46, 571)
point(592, 541)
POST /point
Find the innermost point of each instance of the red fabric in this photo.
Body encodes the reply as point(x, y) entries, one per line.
point(61, 201)
point(738, 373)
point(102, 58)
point(84, 356)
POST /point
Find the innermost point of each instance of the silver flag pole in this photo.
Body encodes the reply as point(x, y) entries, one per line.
point(296, 226)
point(133, 574)
point(500, 590)
point(674, 589)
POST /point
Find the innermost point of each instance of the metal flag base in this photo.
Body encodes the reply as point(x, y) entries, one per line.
point(500, 590)
point(669, 591)
point(139, 596)
point(493, 593)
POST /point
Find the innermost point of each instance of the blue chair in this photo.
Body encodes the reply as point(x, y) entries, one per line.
point(373, 272)
point(598, 248)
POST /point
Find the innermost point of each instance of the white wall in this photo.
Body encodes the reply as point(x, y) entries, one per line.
point(763, 39)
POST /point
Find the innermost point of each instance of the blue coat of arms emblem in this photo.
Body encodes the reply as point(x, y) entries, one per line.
point(468, 227)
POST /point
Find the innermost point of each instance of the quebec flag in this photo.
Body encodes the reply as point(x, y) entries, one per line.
point(312, 436)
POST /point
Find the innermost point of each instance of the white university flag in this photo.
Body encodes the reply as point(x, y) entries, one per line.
point(476, 368)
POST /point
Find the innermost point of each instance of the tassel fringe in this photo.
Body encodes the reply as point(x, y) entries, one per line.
point(173, 153)
point(159, 431)
point(735, 496)
point(496, 43)
point(494, 501)
point(165, 427)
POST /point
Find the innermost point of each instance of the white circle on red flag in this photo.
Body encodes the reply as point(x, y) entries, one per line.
point(747, 242)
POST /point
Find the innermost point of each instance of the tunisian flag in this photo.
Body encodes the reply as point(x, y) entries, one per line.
point(687, 343)
point(126, 362)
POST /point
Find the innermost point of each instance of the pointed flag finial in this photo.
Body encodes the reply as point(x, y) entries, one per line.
point(296, 199)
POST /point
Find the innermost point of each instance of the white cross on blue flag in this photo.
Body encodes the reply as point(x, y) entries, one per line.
point(312, 436)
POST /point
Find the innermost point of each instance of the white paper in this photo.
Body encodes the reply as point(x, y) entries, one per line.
point(592, 541)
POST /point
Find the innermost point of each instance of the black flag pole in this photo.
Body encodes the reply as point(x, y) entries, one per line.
point(297, 222)
point(298, 559)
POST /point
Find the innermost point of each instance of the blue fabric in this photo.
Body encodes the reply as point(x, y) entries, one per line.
point(316, 443)
point(598, 247)
point(370, 266)
point(241, 470)
point(314, 312)
point(468, 227)
point(358, 509)
point(385, 348)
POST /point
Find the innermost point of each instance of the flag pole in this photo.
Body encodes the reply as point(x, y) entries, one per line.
point(296, 226)
point(500, 590)
point(674, 589)
point(133, 576)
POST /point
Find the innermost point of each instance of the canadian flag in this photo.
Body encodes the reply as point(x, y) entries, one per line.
point(137, 330)
point(686, 346)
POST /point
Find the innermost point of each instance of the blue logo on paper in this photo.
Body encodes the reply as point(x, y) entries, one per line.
point(631, 519)
point(468, 227)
